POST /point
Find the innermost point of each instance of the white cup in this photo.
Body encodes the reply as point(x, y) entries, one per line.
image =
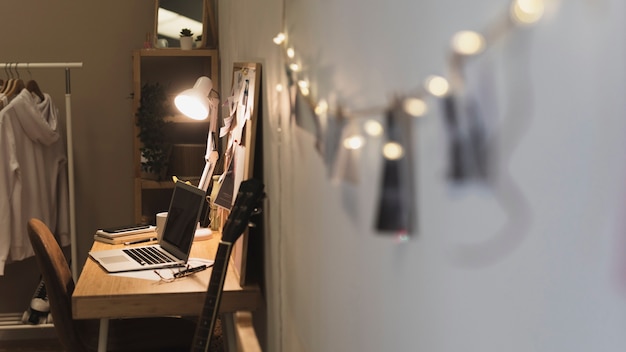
point(160, 223)
point(162, 43)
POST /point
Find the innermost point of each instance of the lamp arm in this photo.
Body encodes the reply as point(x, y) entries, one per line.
point(211, 159)
point(211, 156)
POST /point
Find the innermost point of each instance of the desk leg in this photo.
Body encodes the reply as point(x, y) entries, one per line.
point(229, 331)
point(104, 333)
point(239, 334)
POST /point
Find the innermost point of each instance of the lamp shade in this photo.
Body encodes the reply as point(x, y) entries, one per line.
point(194, 102)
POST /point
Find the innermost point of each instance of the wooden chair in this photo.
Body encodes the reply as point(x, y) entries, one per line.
point(145, 334)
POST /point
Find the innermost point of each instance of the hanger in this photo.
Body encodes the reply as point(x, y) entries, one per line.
point(17, 87)
point(9, 81)
point(33, 87)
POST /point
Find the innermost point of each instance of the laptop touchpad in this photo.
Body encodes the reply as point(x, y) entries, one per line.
point(114, 259)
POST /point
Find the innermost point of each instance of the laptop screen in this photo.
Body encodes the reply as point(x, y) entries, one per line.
point(182, 219)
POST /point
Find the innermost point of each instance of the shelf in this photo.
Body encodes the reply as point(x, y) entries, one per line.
point(179, 118)
point(165, 184)
point(176, 70)
point(151, 184)
point(178, 52)
point(12, 321)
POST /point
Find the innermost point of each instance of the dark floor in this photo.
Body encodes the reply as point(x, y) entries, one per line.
point(31, 346)
point(53, 345)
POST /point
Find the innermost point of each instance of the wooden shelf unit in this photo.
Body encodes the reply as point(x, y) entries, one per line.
point(176, 70)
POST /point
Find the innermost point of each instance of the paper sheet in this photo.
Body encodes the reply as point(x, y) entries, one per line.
point(166, 273)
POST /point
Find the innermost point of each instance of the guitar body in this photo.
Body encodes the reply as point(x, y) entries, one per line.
point(250, 193)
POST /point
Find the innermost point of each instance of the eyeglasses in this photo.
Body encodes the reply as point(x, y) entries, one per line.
point(188, 270)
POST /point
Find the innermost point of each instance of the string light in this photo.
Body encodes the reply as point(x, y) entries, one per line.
point(353, 142)
point(393, 151)
point(437, 86)
point(373, 128)
point(321, 107)
point(279, 38)
point(304, 87)
point(527, 11)
point(468, 43)
point(415, 107)
point(522, 12)
point(463, 43)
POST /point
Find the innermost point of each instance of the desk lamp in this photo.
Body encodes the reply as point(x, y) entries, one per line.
point(197, 104)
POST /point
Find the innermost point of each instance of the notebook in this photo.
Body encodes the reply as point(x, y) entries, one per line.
point(174, 245)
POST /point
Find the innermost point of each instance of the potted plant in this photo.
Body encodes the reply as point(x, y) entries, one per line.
point(186, 39)
point(198, 42)
point(151, 115)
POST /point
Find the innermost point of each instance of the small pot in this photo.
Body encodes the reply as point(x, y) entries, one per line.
point(186, 43)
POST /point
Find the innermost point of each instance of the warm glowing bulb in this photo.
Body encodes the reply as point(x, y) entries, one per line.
point(373, 128)
point(294, 67)
point(468, 43)
point(437, 86)
point(527, 11)
point(393, 151)
point(279, 87)
point(415, 107)
point(321, 107)
point(291, 53)
point(305, 91)
point(353, 142)
point(279, 38)
point(303, 84)
point(191, 106)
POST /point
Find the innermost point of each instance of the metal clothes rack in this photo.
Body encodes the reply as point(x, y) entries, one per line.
point(70, 151)
point(10, 321)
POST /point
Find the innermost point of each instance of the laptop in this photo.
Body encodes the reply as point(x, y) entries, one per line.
point(175, 243)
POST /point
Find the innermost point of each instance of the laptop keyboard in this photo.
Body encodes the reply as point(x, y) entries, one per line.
point(147, 255)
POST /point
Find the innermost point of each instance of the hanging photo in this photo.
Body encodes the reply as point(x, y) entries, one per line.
point(396, 212)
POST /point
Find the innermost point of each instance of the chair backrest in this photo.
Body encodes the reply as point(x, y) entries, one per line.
point(59, 283)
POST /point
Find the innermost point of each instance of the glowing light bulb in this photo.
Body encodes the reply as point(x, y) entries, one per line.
point(353, 142)
point(415, 107)
point(294, 67)
point(527, 11)
point(303, 83)
point(468, 43)
point(291, 53)
point(279, 87)
point(373, 128)
point(437, 86)
point(393, 151)
point(279, 38)
point(321, 107)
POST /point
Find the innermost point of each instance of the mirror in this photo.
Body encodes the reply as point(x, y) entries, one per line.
point(173, 15)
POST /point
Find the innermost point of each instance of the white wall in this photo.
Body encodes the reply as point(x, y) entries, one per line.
point(546, 262)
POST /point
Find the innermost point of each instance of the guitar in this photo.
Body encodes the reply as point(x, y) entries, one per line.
point(250, 193)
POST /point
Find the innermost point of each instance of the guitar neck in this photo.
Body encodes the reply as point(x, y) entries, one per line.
point(250, 192)
point(206, 321)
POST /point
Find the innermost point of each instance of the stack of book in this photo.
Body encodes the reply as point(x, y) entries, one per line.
point(126, 234)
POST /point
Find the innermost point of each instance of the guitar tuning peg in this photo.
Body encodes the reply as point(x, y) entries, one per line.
point(251, 224)
point(257, 211)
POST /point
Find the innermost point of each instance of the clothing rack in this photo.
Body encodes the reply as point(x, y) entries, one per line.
point(70, 151)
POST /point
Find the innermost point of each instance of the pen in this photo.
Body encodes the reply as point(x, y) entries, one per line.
point(141, 241)
point(190, 271)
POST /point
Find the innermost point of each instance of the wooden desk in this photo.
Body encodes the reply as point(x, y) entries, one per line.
point(99, 295)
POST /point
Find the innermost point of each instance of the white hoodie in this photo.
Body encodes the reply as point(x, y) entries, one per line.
point(33, 175)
